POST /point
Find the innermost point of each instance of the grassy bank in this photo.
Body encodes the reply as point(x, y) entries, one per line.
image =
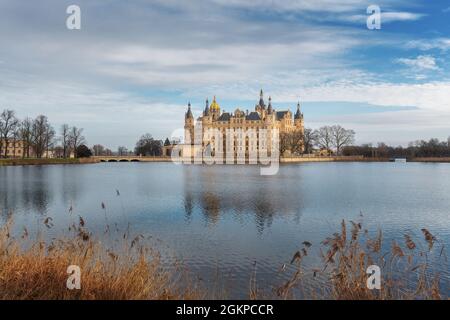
point(286, 160)
point(134, 271)
point(42, 161)
point(432, 159)
point(306, 159)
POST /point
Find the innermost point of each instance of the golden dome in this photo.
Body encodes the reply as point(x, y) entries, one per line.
point(214, 105)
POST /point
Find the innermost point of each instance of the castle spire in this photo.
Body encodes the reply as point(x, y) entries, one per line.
point(261, 99)
point(206, 112)
point(189, 112)
point(298, 114)
point(269, 108)
point(214, 106)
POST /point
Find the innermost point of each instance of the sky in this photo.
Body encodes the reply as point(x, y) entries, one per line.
point(133, 66)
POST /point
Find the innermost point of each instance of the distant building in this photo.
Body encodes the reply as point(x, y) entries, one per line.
point(324, 152)
point(14, 148)
point(18, 149)
point(263, 117)
point(56, 153)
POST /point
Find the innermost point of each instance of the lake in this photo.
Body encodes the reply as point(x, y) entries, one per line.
point(224, 219)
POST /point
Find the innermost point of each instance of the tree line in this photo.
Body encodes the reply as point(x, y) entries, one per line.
point(148, 146)
point(421, 148)
point(39, 138)
point(330, 139)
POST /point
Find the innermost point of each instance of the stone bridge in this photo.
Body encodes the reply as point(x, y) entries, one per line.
point(130, 159)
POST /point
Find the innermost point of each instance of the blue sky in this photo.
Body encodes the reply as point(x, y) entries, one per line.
point(133, 67)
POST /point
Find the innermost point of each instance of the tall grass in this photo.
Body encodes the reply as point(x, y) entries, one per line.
point(40, 270)
point(409, 270)
point(133, 270)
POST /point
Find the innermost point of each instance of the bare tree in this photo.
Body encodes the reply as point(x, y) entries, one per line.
point(65, 140)
point(147, 146)
point(122, 151)
point(42, 133)
point(324, 137)
point(8, 124)
point(309, 138)
point(49, 139)
point(341, 137)
point(291, 141)
point(76, 138)
point(297, 142)
point(15, 137)
point(99, 150)
point(284, 143)
point(26, 135)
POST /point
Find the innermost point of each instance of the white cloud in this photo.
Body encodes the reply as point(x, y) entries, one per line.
point(109, 117)
point(327, 10)
point(400, 16)
point(396, 128)
point(428, 96)
point(429, 44)
point(193, 49)
point(423, 62)
point(386, 17)
point(223, 64)
point(320, 6)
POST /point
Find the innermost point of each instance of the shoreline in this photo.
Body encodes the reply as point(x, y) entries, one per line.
point(285, 160)
point(44, 161)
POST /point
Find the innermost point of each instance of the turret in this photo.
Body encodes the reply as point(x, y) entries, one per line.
point(261, 100)
point(189, 126)
point(269, 108)
point(189, 113)
point(298, 114)
point(206, 112)
point(298, 119)
point(214, 109)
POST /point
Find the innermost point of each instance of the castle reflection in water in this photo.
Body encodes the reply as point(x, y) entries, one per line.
point(216, 193)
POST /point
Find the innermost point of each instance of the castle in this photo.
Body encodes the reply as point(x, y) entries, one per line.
point(250, 123)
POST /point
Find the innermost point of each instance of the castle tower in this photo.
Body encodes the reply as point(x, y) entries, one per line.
point(189, 126)
point(206, 112)
point(261, 106)
point(269, 108)
point(214, 109)
point(261, 100)
point(298, 119)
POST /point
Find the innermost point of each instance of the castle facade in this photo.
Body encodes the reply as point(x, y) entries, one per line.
point(250, 131)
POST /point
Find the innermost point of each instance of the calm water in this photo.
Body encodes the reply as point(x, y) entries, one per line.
point(223, 219)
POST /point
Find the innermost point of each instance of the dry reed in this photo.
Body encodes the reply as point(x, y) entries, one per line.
point(40, 271)
point(134, 271)
point(408, 272)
